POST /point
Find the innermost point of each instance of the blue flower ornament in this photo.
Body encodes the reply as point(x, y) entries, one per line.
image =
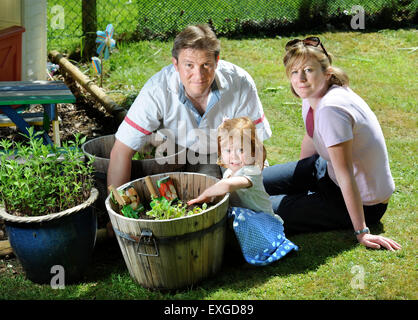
point(106, 41)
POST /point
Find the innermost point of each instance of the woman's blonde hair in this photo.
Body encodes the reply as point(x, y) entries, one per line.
point(244, 129)
point(300, 52)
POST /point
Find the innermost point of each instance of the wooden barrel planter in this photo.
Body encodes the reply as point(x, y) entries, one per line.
point(174, 253)
point(101, 147)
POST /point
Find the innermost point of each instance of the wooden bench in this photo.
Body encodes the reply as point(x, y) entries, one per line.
point(46, 93)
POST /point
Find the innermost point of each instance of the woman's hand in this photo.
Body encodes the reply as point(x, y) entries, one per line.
point(341, 158)
point(376, 242)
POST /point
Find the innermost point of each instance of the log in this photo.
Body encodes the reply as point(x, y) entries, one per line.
point(6, 249)
point(117, 111)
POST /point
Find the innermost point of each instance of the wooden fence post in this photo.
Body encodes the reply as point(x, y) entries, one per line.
point(89, 23)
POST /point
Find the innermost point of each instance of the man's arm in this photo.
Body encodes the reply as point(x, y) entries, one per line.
point(119, 171)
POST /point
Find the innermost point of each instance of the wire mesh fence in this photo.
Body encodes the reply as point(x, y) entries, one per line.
point(163, 18)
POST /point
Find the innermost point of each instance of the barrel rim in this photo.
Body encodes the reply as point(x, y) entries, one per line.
point(110, 210)
point(181, 151)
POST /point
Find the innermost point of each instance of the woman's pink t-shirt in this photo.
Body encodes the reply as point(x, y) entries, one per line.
point(342, 115)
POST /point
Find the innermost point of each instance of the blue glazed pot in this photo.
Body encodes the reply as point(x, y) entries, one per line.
point(65, 240)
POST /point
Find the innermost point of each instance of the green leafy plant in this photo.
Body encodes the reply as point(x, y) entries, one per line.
point(36, 179)
point(148, 154)
point(144, 155)
point(164, 209)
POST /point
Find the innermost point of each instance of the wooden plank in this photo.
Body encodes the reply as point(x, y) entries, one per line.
point(31, 85)
point(32, 122)
point(33, 119)
point(37, 100)
point(219, 237)
point(26, 116)
point(139, 265)
point(35, 93)
point(165, 265)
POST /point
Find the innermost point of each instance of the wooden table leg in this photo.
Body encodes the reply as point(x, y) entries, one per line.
point(51, 111)
point(56, 133)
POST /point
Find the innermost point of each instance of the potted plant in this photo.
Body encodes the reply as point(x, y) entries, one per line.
point(170, 246)
point(46, 197)
point(146, 162)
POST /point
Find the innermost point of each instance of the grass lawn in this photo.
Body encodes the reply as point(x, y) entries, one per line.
point(329, 265)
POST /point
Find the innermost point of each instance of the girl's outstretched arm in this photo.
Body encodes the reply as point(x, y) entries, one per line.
point(221, 188)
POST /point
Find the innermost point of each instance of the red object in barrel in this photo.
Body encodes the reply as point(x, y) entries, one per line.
point(166, 188)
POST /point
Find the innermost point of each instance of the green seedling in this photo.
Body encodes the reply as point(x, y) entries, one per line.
point(162, 209)
point(145, 155)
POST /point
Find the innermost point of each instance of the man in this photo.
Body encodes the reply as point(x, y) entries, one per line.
point(190, 99)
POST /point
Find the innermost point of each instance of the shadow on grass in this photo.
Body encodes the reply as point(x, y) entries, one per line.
point(107, 259)
point(314, 250)
point(235, 275)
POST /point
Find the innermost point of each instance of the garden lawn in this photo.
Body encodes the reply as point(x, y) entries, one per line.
point(329, 265)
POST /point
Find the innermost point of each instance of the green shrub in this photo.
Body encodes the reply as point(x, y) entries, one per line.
point(36, 179)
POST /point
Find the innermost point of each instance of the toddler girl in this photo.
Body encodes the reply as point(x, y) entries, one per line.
point(259, 231)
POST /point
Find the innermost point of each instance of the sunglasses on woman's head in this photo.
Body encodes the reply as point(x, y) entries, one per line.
point(310, 41)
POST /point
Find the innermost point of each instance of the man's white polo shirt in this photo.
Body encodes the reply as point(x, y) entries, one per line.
point(161, 106)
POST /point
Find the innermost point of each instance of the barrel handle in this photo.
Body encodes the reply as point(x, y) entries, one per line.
point(145, 238)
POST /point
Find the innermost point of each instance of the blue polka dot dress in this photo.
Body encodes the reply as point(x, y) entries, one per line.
point(260, 235)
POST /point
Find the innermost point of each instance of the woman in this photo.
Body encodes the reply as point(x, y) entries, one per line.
point(343, 177)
